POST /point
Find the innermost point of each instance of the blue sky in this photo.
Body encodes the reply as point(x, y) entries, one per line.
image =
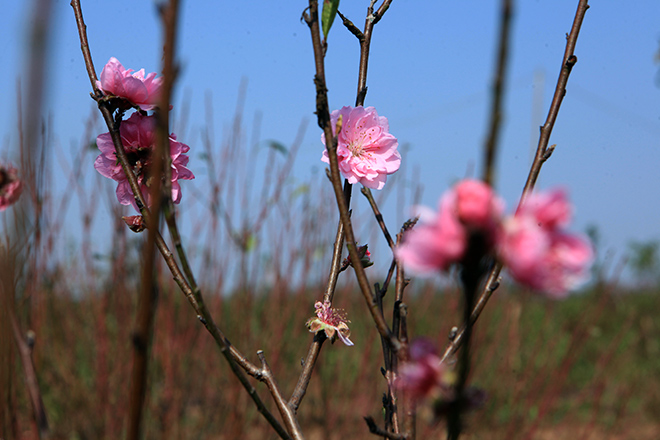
point(429, 74)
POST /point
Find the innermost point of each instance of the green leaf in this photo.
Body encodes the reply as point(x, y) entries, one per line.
point(278, 146)
point(328, 15)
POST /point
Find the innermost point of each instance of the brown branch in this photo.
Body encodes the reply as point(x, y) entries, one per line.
point(30, 372)
point(160, 193)
point(379, 217)
point(289, 417)
point(495, 124)
point(374, 429)
point(231, 354)
point(542, 154)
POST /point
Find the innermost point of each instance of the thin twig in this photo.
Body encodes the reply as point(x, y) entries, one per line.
point(506, 11)
point(379, 217)
point(542, 154)
point(374, 429)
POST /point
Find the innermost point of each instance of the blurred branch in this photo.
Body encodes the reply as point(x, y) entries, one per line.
point(25, 346)
point(506, 11)
point(543, 153)
point(160, 192)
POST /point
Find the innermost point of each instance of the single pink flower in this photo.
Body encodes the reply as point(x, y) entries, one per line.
point(138, 137)
point(541, 255)
point(439, 241)
point(367, 152)
point(11, 186)
point(332, 321)
point(141, 91)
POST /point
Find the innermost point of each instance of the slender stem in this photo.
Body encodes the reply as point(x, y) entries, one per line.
point(379, 217)
point(543, 153)
point(492, 139)
point(289, 417)
point(30, 372)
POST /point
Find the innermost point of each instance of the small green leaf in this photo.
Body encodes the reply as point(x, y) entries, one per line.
point(278, 146)
point(328, 15)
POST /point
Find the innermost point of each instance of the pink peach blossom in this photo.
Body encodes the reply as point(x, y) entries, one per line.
point(11, 186)
point(141, 91)
point(541, 255)
point(138, 137)
point(439, 241)
point(476, 204)
point(367, 152)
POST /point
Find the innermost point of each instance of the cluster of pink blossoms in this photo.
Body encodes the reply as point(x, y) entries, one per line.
point(137, 135)
point(366, 150)
point(532, 243)
point(10, 186)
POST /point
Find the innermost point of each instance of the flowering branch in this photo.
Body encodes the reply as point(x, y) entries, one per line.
point(323, 115)
point(543, 153)
point(231, 354)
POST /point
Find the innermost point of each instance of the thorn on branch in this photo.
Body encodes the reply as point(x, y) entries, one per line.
point(548, 152)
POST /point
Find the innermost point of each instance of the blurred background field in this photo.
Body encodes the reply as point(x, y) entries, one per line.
point(587, 367)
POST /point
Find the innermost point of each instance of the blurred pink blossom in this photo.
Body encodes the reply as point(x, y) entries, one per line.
point(538, 252)
point(367, 152)
point(138, 137)
point(332, 321)
point(440, 240)
point(10, 186)
point(424, 375)
point(142, 91)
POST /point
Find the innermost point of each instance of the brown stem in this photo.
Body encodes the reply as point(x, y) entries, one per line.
point(543, 153)
point(25, 351)
point(379, 217)
point(289, 417)
point(498, 92)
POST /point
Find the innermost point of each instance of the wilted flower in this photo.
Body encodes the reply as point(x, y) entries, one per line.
point(538, 252)
point(141, 91)
point(441, 239)
point(10, 186)
point(138, 137)
point(366, 151)
point(332, 321)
